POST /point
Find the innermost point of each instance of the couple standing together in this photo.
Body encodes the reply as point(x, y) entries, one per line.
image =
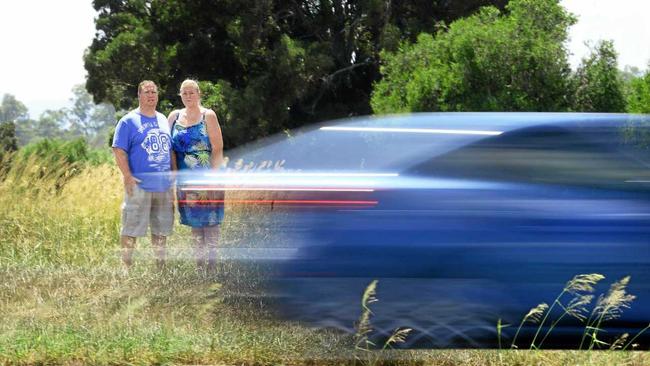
point(147, 146)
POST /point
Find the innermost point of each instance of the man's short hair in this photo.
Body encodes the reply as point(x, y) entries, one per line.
point(145, 82)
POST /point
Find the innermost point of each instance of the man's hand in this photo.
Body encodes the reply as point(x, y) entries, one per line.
point(130, 182)
point(122, 161)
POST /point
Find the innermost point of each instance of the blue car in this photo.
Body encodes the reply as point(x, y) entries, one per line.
point(465, 219)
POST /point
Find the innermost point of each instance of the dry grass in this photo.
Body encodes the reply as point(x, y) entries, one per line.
point(64, 296)
point(65, 299)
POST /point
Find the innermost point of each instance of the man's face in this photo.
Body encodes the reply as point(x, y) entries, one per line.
point(148, 96)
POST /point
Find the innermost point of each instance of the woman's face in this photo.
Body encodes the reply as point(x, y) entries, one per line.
point(190, 96)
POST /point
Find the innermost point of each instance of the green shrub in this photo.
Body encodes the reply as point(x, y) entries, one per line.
point(75, 151)
point(51, 160)
point(512, 60)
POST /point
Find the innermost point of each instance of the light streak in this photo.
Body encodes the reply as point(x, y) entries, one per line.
point(273, 189)
point(412, 130)
point(314, 174)
point(280, 202)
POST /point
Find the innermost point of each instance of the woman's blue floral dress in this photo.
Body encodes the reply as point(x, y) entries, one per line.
point(192, 148)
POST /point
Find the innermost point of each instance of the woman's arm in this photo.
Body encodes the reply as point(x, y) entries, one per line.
point(172, 117)
point(216, 139)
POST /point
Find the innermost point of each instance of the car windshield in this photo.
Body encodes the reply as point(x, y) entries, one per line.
point(365, 144)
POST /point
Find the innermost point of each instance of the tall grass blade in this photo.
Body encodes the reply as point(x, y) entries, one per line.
point(576, 308)
point(619, 342)
point(500, 326)
point(610, 307)
point(399, 336)
point(577, 285)
point(631, 342)
point(534, 316)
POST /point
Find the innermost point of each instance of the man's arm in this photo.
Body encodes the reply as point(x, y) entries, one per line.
point(122, 161)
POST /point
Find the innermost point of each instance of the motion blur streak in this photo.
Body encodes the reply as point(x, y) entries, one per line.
point(481, 217)
point(280, 202)
point(276, 189)
point(412, 130)
point(280, 181)
point(283, 174)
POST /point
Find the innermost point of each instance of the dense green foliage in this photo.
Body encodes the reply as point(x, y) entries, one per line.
point(276, 64)
point(492, 61)
point(8, 142)
point(638, 98)
point(598, 85)
point(638, 101)
point(12, 110)
point(12, 113)
point(76, 151)
point(51, 160)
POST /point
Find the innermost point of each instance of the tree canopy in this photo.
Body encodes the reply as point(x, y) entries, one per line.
point(512, 60)
point(8, 141)
point(83, 119)
point(272, 64)
point(638, 97)
point(12, 110)
point(598, 84)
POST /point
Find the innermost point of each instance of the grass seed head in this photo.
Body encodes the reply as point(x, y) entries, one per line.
point(369, 295)
point(398, 336)
point(535, 314)
point(611, 305)
point(583, 283)
point(577, 307)
point(619, 342)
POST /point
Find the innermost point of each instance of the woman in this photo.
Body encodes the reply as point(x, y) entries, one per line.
point(197, 145)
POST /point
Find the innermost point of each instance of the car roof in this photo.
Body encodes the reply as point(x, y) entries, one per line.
point(395, 142)
point(487, 120)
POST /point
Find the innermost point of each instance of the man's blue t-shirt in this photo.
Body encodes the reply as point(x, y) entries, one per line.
point(147, 143)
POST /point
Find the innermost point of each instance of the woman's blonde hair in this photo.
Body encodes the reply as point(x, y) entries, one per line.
point(190, 83)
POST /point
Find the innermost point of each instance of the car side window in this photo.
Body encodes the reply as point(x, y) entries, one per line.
point(549, 155)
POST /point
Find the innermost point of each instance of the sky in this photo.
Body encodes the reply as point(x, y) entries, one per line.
point(43, 42)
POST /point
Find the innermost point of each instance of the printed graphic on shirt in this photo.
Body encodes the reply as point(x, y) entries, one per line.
point(156, 144)
point(144, 126)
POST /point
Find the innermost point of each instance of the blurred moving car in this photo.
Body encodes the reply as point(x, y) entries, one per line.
point(463, 218)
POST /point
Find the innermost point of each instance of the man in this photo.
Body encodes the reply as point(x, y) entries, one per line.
point(142, 145)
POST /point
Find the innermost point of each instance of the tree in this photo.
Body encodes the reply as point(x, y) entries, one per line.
point(50, 125)
point(598, 83)
point(26, 132)
point(87, 119)
point(8, 142)
point(491, 61)
point(12, 109)
point(84, 119)
point(638, 97)
point(277, 64)
point(638, 101)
